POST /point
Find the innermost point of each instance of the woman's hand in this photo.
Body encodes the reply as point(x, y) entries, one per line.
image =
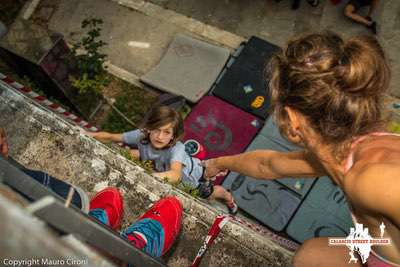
point(211, 170)
point(3, 143)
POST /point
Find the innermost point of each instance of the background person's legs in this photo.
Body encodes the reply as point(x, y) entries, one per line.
point(350, 12)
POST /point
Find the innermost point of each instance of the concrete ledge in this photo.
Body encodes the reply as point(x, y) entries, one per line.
point(209, 32)
point(42, 140)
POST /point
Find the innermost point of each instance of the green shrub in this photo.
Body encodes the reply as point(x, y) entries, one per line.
point(90, 61)
point(86, 84)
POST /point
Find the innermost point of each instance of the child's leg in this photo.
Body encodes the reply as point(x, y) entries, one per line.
point(209, 191)
point(222, 194)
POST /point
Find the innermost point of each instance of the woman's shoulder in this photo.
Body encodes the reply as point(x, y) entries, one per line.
point(367, 183)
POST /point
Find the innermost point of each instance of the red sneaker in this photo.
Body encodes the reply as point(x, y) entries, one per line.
point(168, 212)
point(110, 200)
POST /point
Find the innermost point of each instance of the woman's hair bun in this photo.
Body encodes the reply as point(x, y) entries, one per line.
point(362, 68)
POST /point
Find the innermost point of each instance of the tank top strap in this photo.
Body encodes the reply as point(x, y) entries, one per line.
point(350, 158)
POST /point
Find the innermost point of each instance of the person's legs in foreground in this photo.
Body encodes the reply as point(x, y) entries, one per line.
point(154, 232)
point(60, 187)
point(316, 252)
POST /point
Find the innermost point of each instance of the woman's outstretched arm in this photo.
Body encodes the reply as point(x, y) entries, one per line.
point(267, 164)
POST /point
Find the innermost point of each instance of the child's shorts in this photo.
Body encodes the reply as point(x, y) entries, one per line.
point(205, 188)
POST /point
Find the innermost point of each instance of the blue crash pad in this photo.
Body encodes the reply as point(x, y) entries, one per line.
point(271, 202)
point(324, 212)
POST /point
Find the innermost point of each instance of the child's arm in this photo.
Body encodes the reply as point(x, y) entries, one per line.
point(105, 136)
point(174, 175)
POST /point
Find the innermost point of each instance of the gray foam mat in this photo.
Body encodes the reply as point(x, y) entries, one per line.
point(324, 212)
point(271, 131)
point(271, 202)
point(189, 68)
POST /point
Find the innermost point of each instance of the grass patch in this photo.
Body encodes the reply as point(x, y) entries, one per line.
point(189, 190)
point(133, 102)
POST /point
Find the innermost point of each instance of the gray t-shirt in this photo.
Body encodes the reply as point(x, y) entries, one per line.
point(192, 170)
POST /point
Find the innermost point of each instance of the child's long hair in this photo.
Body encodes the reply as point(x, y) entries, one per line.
point(159, 117)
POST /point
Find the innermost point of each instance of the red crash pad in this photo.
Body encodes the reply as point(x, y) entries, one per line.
point(221, 128)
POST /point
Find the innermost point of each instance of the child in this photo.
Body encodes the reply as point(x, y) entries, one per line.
point(158, 141)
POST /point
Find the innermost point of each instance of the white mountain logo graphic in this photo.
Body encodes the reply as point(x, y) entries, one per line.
point(361, 242)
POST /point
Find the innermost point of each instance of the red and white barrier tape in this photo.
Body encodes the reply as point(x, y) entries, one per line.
point(216, 227)
point(221, 220)
point(45, 102)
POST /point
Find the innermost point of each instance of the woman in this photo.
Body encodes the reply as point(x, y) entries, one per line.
point(327, 95)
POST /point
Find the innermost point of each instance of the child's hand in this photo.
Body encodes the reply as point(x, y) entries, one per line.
point(211, 171)
point(91, 134)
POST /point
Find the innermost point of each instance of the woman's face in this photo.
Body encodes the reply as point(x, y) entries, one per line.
point(162, 136)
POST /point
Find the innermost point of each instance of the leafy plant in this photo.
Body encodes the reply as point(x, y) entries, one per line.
point(89, 58)
point(86, 84)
